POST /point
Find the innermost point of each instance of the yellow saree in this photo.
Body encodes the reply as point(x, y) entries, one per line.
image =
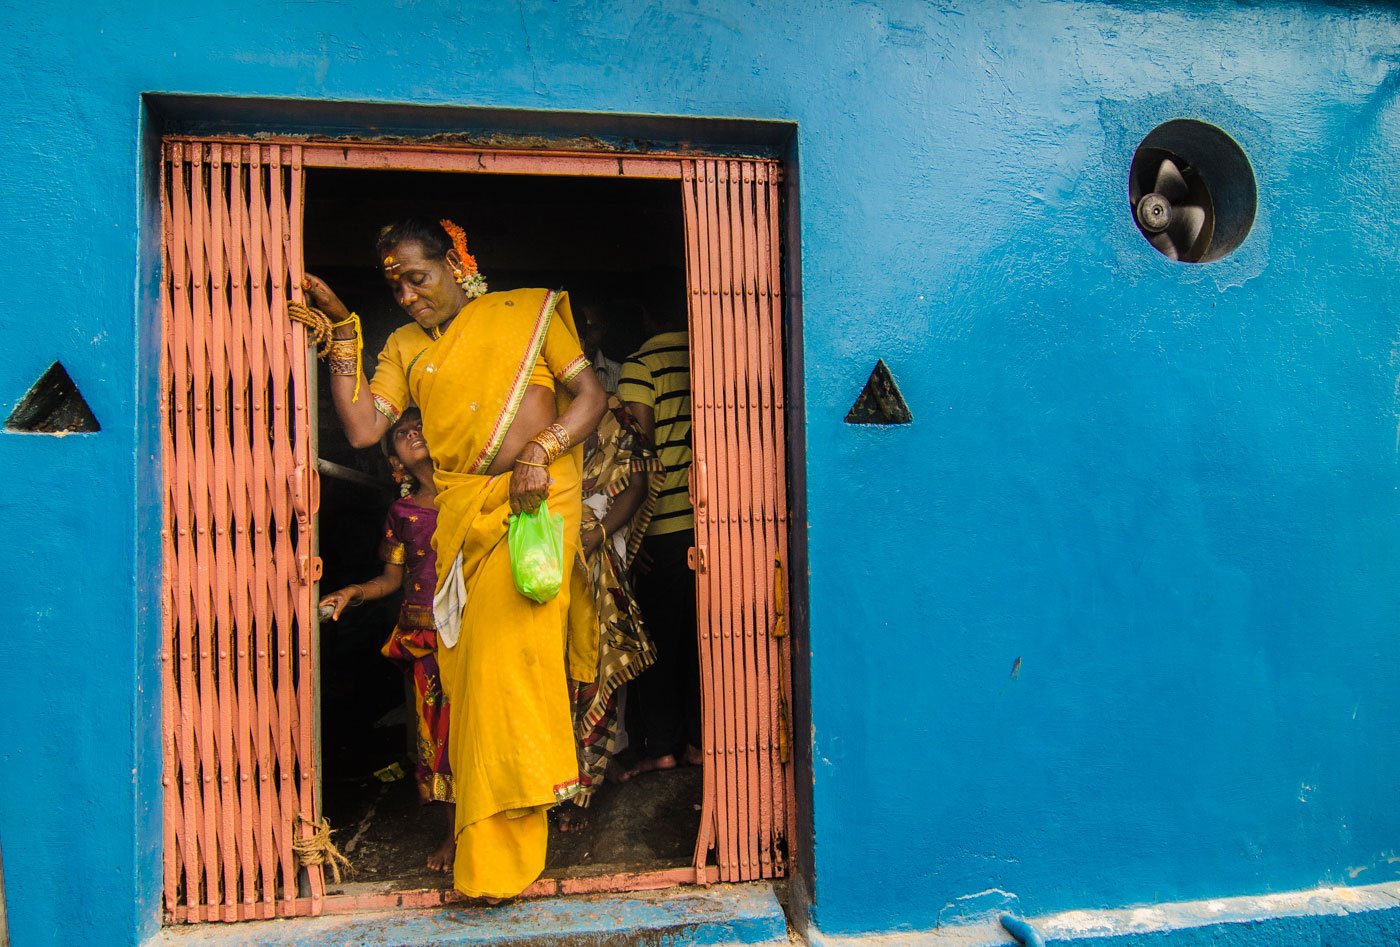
point(511, 739)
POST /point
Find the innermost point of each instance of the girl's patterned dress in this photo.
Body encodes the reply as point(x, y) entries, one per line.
point(408, 541)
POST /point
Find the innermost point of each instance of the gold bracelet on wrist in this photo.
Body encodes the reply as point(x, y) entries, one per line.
point(561, 434)
point(531, 463)
point(547, 442)
point(345, 356)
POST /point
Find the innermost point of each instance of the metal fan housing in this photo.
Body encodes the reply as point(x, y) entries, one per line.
point(1191, 191)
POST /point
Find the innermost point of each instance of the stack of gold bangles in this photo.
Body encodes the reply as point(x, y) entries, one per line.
point(343, 355)
point(554, 441)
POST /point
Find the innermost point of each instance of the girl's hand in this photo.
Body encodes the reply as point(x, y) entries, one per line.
point(324, 298)
point(529, 483)
point(338, 601)
point(592, 539)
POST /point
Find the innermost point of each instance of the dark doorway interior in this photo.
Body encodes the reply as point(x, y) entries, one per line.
point(601, 239)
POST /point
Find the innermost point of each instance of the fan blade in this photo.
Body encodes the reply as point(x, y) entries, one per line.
point(1163, 241)
point(1187, 223)
point(1170, 184)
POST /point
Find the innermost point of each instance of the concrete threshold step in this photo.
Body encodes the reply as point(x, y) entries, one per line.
point(717, 915)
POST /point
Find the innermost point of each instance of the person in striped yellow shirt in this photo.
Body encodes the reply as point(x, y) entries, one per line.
point(663, 704)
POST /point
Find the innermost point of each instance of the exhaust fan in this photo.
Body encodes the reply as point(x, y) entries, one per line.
point(1191, 191)
point(1172, 207)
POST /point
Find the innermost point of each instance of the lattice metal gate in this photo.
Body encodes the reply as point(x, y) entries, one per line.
point(239, 675)
point(739, 483)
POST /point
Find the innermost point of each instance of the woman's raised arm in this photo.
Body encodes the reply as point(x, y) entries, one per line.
point(364, 426)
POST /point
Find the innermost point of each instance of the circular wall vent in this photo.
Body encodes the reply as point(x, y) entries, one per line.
point(1192, 191)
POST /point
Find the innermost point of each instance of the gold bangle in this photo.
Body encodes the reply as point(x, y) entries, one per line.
point(549, 443)
point(531, 463)
point(561, 434)
point(351, 349)
point(358, 588)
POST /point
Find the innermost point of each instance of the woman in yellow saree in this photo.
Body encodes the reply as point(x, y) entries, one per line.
point(507, 401)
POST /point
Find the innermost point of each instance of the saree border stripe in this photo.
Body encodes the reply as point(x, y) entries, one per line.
point(517, 386)
point(574, 369)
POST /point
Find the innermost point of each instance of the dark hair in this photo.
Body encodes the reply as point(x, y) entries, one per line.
point(423, 231)
point(386, 443)
point(666, 297)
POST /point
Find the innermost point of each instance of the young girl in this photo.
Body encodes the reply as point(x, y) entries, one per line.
point(409, 564)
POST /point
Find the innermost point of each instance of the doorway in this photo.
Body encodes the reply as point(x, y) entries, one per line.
point(710, 223)
point(618, 247)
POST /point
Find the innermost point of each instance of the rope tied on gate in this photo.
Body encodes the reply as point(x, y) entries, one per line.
point(343, 356)
point(318, 324)
point(318, 849)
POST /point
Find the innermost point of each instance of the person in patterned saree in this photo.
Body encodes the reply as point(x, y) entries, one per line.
point(621, 478)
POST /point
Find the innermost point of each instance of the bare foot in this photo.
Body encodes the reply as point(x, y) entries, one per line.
point(649, 766)
point(572, 818)
point(441, 858)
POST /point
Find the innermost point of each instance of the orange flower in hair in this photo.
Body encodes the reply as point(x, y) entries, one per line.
point(469, 276)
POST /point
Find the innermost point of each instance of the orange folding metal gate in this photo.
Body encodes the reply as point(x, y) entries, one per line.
point(240, 748)
point(239, 673)
point(739, 486)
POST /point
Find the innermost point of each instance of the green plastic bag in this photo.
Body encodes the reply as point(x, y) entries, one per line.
point(537, 553)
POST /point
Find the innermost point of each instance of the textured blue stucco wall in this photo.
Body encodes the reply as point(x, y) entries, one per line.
point(1171, 491)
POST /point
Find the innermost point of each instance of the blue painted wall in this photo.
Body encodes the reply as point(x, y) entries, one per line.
point(1170, 490)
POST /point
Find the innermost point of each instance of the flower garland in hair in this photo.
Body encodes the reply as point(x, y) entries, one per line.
point(469, 274)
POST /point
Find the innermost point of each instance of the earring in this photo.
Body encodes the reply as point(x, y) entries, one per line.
point(460, 277)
